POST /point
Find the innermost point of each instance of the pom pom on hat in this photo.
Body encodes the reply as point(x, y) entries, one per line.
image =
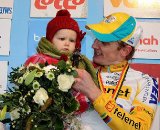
point(63, 13)
point(63, 20)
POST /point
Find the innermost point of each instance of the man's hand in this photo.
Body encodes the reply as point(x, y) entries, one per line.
point(85, 84)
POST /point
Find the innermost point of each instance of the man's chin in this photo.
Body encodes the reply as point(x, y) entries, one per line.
point(100, 62)
point(97, 61)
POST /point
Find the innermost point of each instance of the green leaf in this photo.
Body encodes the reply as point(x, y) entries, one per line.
point(1, 97)
point(74, 73)
point(30, 77)
point(4, 121)
point(74, 105)
point(3, 112)
point(40, 128)
point(62, 65)
point(59, 124)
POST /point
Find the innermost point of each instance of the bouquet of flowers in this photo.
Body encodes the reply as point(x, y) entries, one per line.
point(41, 98)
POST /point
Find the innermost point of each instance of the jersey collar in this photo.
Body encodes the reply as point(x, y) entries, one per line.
point(114, 68)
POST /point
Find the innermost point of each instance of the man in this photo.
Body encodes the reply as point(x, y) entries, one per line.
point(125, 99)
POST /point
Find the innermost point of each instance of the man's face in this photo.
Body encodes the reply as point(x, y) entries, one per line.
point(106, 53)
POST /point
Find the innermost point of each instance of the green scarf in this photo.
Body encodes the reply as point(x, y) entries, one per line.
point(45, 47)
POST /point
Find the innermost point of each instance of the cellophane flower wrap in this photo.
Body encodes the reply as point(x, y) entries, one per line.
point(41, 98)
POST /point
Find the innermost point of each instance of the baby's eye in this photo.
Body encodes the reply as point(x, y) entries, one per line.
point(72, 40)
point(62, 38)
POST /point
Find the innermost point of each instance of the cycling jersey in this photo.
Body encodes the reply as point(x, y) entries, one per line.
point(134, 107)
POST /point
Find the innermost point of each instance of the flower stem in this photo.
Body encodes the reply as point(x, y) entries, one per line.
point(47, 104)
point(29, 123)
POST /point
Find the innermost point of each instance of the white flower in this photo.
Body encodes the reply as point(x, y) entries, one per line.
point(70, 66)
point(38, 74)
point(28, 109)
point(36, 85)
point(15, 114)
point(73, 68)
point(65, 82)
point(21, 102)
point(20, 80)
point(69, 70)
point(67, 62)
point(50, 76)
point(32, 91)
point(41, 96)
point(34, 65)
point(21, 68)
point(48, 68)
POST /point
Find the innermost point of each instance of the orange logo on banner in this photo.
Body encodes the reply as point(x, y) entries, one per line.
point(149, 41)
point(132, 4)
point(42, 4)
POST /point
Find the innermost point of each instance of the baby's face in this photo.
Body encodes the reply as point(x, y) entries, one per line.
point(65, 40)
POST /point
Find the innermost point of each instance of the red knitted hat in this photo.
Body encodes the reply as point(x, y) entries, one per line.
point(63, 20)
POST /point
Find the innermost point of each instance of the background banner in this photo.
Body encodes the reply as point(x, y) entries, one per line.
point(6, 8)
point(3, 76)
point(5, 28)
point(48, 8)
point(137, 8)
point(149, 46)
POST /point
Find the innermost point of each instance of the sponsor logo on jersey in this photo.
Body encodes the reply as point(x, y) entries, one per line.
point(126, 119)
point(110, 106)
point(154, 94)
point(147, 88)
point(124, 93)
point(134, 110)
